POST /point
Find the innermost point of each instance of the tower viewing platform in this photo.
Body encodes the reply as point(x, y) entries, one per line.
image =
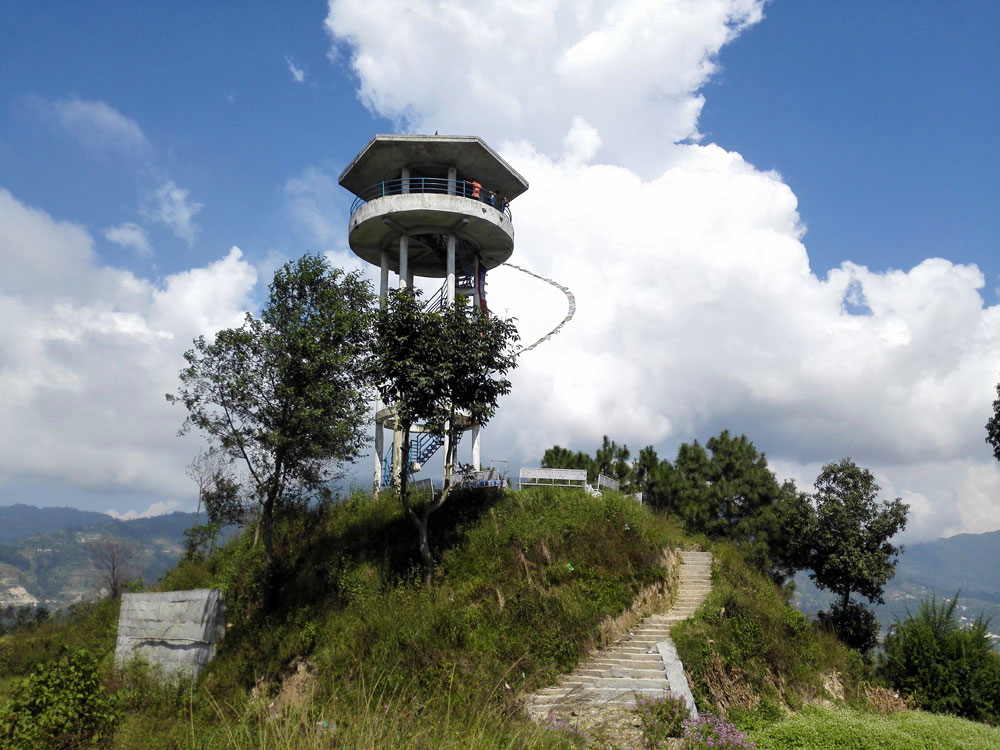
point(433, 206)
point(426, 187)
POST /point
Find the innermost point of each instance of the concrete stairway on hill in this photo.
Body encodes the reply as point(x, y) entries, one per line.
point(642, 662)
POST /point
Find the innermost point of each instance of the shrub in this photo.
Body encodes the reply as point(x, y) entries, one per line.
point(711, 731)
point(854, 625)
point(945, 667)
point(61, 705)
point(660, 718)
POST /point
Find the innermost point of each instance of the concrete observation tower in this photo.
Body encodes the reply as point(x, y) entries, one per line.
point(433, 206)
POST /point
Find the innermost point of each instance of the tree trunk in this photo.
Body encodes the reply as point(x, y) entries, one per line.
point(425, 550)
point(266, 520)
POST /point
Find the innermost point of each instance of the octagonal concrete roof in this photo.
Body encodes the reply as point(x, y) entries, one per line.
point(385, 155)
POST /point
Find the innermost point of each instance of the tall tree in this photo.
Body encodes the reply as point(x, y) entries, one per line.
point(612, 460)
point(284, 393)
point(203, 471)
point(848, 543)
point(440, 369)
point(113, 559)
point(993, 426)
point(558, 457)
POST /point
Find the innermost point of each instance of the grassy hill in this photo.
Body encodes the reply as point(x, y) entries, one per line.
point(358, 653)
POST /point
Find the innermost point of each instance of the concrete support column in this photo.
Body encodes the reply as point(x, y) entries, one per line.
point(451, 269)
point(404, 253)
point(475, 281)
point(447, 449)
point(475, 447)
point(383, 284)
point(452, 177)
point(383, 291)
point(476, 428)
point(409, 278)
point(397, 456)
point(406, 179)
point(379, 449)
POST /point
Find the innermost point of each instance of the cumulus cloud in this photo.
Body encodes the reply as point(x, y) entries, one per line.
point(87, 352)
point(630, 69)
point(95, 124)
point(130, 235)
point(170, 205)
point(697, 309)
point(160, 508)
point(299, 74)
point(310, 199)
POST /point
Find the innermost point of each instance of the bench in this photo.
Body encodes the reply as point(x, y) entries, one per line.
point(552, 478)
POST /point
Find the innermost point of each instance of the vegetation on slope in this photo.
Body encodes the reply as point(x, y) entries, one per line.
point(357, 641)
point(749, 652)
point(817, 728)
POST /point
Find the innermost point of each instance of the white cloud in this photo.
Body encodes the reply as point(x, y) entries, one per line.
point(160, 508)
point(697, 310)
point(95, 124)
point(87, 352)
point(299, 74)
point(169, 205)
point(311, 198)
point(130, 235)
point(631, 69)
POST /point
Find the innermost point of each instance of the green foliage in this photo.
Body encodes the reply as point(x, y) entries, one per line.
point(854, 625)
point(747, 629)
point(946, 668)
point(522, 583)
point(723, 490)
point(847, 729)
point(660, 718)
point(89, 625)
point(63, 704)
point(442, 369)
point(848, 539)
point(610, 459)
point(993, 426)
point(198, 539)
point(284, 394)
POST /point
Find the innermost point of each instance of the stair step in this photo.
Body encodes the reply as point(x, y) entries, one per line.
point(614, 675)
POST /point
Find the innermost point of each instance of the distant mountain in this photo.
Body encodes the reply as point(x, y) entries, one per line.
point(51, 564)
point(21, 521)
point(969, 563)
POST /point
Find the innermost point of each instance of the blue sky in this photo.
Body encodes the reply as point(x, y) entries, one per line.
point(753, 173)
point(883, 119)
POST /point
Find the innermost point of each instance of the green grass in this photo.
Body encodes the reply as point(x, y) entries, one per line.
point(847, 729)
point(748, 648)
point(523, 582)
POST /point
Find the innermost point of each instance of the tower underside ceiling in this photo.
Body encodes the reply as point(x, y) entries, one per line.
point(431, 155)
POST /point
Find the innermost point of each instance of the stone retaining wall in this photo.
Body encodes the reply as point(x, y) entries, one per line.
point(175, 630)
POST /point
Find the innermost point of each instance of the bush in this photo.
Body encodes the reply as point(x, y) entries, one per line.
point(660, 718)
point(854, 625)
point(61, 705)
point(946, 668)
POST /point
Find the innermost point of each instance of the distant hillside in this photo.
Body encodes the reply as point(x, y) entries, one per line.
point(966, 562)
point(22, 521)
point(54, 567)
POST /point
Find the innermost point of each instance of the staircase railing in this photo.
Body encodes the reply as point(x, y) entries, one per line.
point(423, 445)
